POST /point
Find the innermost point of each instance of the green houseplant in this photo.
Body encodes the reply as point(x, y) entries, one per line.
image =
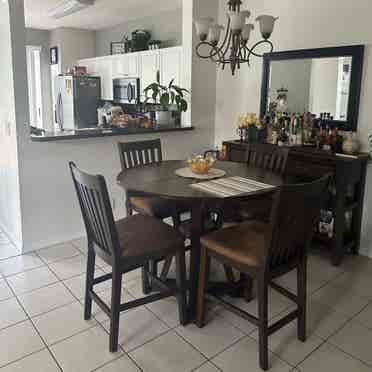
point(171, 98)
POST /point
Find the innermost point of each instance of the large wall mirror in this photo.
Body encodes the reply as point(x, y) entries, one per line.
point(324, 81)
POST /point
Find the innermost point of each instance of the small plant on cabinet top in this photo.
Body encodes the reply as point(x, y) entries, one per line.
point(166, 95)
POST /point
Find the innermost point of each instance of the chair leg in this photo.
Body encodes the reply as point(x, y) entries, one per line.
point(263, 335)
point(248, 287)
point(153, 271)
point(89, 282)
point(181, 286)
point(129, 207)
point(301, 294)
point(166, 268)
point(146, 288)
point(115, 310)
point(205, 262)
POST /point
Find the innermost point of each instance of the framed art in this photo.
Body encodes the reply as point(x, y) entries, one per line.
point(54, 56)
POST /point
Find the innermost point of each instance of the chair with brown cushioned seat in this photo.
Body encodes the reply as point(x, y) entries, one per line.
point(138, 154)
point(125, 245)
point(265, 251)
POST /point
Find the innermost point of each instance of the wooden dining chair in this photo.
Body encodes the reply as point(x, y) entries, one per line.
point(139, 154)
point(265, 251)
point(267, 157)
point(125, 245)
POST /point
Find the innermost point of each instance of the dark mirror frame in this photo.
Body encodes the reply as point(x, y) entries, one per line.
point(355, 51)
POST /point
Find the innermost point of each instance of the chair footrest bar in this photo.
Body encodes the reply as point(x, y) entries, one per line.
point(282, 322)
point(103, 278)
point(146, 300)
point(284, 292)
point(251, 318)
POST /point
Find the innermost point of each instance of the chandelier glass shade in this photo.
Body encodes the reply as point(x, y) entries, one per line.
point(233, 50)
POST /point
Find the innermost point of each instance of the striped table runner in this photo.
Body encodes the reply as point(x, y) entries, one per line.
point(231, 186)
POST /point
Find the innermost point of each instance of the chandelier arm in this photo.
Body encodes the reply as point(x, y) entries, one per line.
point(212, 53)
point(227, 46)
point(264, 41)
point(226, 38)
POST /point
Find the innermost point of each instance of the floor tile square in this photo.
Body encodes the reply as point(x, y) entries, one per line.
point(31, 280)
point(18, 341)
point(69, 267)
point(365, 317)
point(357, 282)
point(207, 367)
point(330, 358)
point(123, 364)
point(11, 313)
point(245, 353)
point(284, 343)
point(19, 264)
point(166, 310)
point(5, 291)
point(62, 323)
point(355, 340)
point(81, 244)
point(138, 326)
point(167, 353)
point(85, 351)
point(45, 299)
point(214, 337)
point(77, 284)
point(340, 299)
point(41, 361)
point(58, 252)
point(8, 250)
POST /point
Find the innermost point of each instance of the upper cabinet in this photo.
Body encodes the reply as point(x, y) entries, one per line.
point(144, 65)
point(171, 65)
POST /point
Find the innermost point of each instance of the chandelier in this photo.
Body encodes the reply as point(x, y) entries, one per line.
point(233, 50)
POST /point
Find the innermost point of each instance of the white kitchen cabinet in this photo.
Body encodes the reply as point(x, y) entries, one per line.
point(171, 65)
point(149, 67)
point(145, 65)
point(125, 65)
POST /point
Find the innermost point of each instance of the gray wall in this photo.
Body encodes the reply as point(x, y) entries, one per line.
point(165, 26)
point(73, 44)
point(41, 38)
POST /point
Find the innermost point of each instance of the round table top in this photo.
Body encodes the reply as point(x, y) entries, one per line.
point(160, 180)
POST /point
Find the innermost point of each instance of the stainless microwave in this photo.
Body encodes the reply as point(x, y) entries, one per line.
point(127, 90)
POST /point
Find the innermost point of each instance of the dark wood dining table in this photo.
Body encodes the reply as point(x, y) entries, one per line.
point(160, 180)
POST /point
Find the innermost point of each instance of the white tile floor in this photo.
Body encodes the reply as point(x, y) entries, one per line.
point(42, 327)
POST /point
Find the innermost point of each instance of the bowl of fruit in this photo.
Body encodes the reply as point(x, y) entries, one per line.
point(200, 164)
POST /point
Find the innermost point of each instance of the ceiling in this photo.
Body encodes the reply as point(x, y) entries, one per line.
point(105, 13)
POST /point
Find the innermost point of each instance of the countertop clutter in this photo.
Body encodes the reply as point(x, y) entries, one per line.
point(103, 132)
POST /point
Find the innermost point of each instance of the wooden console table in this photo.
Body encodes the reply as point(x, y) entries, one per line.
point(346, 196)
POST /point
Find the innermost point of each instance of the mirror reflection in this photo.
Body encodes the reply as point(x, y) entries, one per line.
point(320, 86)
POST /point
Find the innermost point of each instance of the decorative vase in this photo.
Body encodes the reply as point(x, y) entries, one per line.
point(350, 144)
point(251, 134)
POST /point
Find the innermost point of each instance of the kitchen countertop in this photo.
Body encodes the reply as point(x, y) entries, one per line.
point(108, 132)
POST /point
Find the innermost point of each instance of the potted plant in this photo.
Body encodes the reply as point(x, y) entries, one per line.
point(170, 98)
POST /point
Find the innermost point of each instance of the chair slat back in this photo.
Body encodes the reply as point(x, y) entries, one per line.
point(268, 157)
point(96, 210)
point(137, 154)
point(296, 209)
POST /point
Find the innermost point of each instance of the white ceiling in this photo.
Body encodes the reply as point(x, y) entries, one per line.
point(105, 13)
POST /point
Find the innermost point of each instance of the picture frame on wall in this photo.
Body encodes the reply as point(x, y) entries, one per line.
point(118, 47)
point(54, 56)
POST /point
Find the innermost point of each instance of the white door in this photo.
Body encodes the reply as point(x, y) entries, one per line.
point(34, 85)
point(149, 67)
point(171, 63)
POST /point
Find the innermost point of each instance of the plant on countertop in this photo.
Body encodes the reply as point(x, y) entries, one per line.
point(166, 95)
